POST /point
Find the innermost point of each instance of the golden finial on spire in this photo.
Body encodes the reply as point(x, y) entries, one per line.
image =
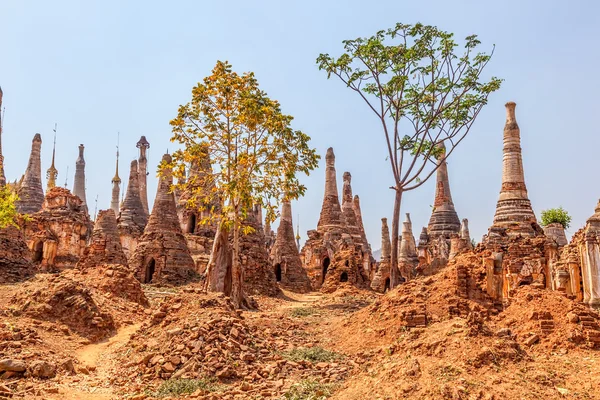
point(52, 172)
point(116, 178)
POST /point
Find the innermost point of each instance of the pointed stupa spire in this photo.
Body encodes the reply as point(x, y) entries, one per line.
point(143, 145)
point(285, 255)
point(52, 172)
point(359, 221)
point(331, 212)
point(386, 244)
point(513, 204)
point(116, 189)
point(79, 184)
point(408, 246)
point(132, 211)
point(31, 194)
point(162, 253)
point(464, 232)
point(2, 176)
point(348, 208)
point(444, 220)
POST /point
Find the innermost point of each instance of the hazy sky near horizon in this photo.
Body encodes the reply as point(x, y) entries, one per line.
point(98, 68)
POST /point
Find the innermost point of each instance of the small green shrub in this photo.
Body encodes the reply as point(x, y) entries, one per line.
point(312, 354)
point(176, 387)
point(310, 390)
point(556, 215)
point(303, 312)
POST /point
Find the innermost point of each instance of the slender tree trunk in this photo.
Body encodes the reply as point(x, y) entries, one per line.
point(218, 271)
point(237, 294)
point(394, 273)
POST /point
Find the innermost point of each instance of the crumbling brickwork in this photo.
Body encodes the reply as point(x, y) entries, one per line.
point(58, 234)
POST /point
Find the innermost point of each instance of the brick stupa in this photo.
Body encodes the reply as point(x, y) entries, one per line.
point(162, 254)
point(285, 256)
point(132, 217)
point(444, 220)
point(514, 214)
point(31, 193)
point(105, 245)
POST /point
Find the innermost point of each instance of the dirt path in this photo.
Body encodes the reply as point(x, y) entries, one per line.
point(96, 358)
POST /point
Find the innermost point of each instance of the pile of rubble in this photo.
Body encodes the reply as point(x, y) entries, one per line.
point(63, 300)
point(15, 259)
point(198, 336)
point(116, 280)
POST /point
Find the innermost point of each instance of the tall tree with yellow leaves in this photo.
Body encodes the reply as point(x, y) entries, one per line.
point(255, 154)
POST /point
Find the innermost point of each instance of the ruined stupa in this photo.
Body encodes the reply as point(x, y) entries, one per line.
point(514, 215)
point(132, 217)
point(143, 145)
point(161, 254)
point(331, 217)
point(444, 220)
point(79, 184)
point(520, 252)
point(194, 211)
point(407, 255)
point(577, 273)
point(105, 245)
point(285, 256)
point(57, 235)
point(31, 194)
point(380, 281)
point(333, 234)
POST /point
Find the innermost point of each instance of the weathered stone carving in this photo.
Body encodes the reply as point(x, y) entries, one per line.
point(285, 257)
point(31, 194)
point(556, 232)
point(132, 218)
point(57, 235)
point(161, 254)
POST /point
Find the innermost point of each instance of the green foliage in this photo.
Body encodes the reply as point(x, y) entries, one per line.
point(556, 215)
point(312, 354)
point(231, 125)
point(416, 74)
point(309, 389)
point(303, 312)
point(177, 387)
point(8, 208)
point(473, 243)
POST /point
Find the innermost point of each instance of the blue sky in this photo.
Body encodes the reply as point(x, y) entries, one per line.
point(98, 68)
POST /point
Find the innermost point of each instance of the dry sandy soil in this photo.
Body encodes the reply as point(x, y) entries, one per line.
point(351, 344)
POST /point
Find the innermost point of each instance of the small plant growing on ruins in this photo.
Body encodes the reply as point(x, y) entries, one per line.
point(556, 215)
point(303, 312)
point(425, 93)
point(177, 387)
point(310, 389)
point(312, 354)
point(243, 153)
point(8, 208)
